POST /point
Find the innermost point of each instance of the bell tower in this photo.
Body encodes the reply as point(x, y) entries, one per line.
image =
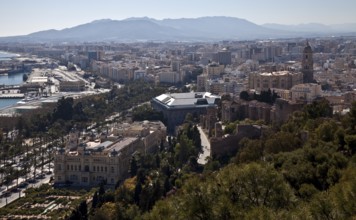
point(307, 64)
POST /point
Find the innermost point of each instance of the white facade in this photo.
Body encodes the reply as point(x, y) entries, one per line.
point(307, 92)
point(139, 74)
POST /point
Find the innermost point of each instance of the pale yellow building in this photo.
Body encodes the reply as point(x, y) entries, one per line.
point(305, 92)
point(283, 93)
point(90, 165)
point(214, 70)
point(274, 80)
point(92, 162)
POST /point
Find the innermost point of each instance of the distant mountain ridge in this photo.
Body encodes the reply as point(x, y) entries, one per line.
point(315, 27)
point(183, 29)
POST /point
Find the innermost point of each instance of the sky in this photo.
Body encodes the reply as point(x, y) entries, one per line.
point(20, 17)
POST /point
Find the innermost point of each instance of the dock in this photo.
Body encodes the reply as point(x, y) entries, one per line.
point(12, 96)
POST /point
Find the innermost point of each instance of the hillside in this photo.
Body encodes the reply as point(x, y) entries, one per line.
point(283, 175)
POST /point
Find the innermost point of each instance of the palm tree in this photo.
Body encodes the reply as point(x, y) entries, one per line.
point(27, 163)
point(49, 155)
point(2, 172)
point(9, 177)
point(34, 158)
point(42, 151)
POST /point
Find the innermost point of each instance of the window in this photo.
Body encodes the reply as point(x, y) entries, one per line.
point(106, 169)
point(274, 83)
point(86, 168)
point(112, 169)
point(102, 169)
point(59, 167)
point(94, 168)
point(71, 167)
point(67, 167)
point(84, 179)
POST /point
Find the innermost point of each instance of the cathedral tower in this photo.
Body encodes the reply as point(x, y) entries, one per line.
point(307, 65)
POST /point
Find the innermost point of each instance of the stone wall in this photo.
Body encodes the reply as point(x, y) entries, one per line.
point(240, 110)
point(230, 144)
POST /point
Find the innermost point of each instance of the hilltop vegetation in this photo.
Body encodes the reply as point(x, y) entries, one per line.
point(304, 169)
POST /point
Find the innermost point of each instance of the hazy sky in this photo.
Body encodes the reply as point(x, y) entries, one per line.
point(18, 17)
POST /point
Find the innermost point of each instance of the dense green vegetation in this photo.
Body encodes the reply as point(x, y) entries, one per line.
point(304, 169)
point(265, 96)
point(154, 177)
point(146, 112)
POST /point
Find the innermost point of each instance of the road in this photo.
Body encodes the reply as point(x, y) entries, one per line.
point(205, 145)
point(13, 195)
point(21, 193)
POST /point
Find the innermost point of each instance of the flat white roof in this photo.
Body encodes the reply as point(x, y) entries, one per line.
point(187, 99)
point(278, 73)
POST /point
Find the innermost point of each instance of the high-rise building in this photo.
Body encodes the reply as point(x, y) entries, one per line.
point(175, 66)
point(169, 77)
point(214, 70)
point(224, 57)
point(201, 82)
point(93, 55)
point(307, 64)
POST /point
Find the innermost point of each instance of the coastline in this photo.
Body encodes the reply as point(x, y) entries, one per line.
point(5, 55)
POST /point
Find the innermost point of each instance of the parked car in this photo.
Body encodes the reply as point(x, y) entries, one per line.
point(5, 194)
point(14, 189)
point(32, 180)
point(23, 184)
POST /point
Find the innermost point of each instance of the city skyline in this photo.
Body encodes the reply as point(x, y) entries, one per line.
point(25, 17)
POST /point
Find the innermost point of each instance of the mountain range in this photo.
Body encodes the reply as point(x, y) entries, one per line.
point(184, 29)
